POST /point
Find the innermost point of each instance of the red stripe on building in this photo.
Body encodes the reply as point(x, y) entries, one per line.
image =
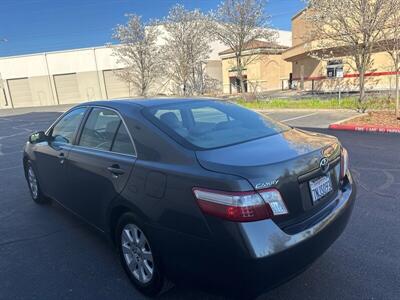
point(354, 75)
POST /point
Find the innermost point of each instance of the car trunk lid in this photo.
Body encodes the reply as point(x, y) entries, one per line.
point(286, 161)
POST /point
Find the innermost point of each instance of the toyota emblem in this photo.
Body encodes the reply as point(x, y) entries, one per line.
point(324, 165)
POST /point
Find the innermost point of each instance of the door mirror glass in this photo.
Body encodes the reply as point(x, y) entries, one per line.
point(38, 137)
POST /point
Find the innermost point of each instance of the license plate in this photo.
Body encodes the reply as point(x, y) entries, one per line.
point(320, 187)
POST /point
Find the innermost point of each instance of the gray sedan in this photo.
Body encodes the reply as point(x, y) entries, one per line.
point(202, 192)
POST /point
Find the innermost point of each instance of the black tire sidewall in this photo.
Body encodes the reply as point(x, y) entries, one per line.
point(154, 287)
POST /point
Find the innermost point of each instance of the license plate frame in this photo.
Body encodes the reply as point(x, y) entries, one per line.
point(320, 187)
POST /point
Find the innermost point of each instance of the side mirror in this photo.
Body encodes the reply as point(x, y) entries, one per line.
point(38, 137)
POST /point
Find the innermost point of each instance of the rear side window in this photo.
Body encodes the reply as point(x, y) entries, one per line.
point(122, 143)
point(100, 129)
point(104, 130)
point(210, 124)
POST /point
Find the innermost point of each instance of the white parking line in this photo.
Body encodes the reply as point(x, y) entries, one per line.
point(9, 168)
point(12, 135)
point(300, 117)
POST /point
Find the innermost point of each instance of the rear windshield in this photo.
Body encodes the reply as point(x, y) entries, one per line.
point(211, 124)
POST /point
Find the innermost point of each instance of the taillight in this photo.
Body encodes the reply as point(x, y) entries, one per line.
point(344, 163)
point(241, 206)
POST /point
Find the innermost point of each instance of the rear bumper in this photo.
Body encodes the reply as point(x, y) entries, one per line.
point(269, 258)
point(276, 256)
point(265, 238)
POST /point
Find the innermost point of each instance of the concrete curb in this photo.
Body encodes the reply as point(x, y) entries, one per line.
point(365, 128)
point(302, 110)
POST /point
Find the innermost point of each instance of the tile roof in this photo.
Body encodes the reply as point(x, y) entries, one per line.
point(257, 44)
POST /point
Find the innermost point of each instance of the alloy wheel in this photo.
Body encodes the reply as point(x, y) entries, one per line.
point(137, 253)
point(33, 184)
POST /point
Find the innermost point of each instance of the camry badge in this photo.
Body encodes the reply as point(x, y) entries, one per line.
point(265, 185)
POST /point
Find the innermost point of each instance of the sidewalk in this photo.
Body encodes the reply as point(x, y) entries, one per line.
point(24, 110)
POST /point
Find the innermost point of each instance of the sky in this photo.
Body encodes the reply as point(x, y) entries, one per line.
point(31, 26)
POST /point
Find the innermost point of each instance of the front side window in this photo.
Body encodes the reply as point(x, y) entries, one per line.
point(65, 130)
point(212, 124)
point(104, 130)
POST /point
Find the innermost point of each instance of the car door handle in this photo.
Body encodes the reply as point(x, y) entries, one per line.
point(116, 170)
point(61, 157)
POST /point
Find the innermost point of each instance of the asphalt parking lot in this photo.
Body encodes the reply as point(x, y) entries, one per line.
point(47, 253)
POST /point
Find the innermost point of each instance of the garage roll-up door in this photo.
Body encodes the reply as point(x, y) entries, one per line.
point(115, 87)
point(67, 88)
point(20, 92)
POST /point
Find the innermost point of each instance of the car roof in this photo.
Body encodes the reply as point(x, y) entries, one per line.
point(144, 102)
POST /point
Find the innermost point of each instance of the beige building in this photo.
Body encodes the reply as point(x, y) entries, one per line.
point(310, 73)
point(265, 70)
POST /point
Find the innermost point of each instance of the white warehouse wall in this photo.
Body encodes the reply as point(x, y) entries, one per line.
point(23, 66)
point(31, 80)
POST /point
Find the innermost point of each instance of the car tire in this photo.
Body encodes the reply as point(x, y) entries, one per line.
point(34, 186)
point(139, 257)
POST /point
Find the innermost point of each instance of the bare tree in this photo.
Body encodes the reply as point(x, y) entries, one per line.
point(348, 28)
point(238, 23)
point(138, 52)
point(391, 44)
point(186, 49)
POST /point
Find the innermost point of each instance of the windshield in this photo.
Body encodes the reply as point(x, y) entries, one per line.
point(212, 124)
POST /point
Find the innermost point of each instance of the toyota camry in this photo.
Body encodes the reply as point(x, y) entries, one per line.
point(198, 190)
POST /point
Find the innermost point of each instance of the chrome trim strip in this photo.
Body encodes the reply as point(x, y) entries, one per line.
point(103, 151)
